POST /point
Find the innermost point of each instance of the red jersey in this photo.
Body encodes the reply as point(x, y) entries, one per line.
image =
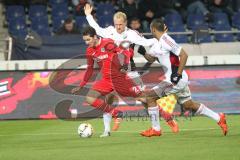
point(107, 55)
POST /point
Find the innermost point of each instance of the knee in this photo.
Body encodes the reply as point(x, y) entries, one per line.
point(151, 101)
point(190, 105)
point(110, 99)
point(89, 100)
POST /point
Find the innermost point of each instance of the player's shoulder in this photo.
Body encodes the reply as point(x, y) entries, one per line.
point(167, 40)
point(108, 44)
point(90, 51)
point(107, 40)
point(110, 28)
point(133, 32)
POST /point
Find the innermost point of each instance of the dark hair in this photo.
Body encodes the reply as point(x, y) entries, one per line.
point(157, 24)
point(134, 19)
point(68, 20)
point(89, 31)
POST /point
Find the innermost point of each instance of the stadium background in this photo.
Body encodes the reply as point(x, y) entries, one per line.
point(213, 64)
point(25, 94)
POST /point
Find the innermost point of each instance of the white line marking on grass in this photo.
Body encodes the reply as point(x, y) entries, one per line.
point(36, 134)
point(184, 130)
point(49, 134)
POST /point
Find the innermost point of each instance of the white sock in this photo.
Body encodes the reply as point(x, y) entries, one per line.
point(154, 116)
point(107, 117)
point(208, 112)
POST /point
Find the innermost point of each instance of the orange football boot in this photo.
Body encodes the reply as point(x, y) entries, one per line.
point(151, 132)
point(116, 123)
point(223, 123)
point(117, 119)
point(174, 126)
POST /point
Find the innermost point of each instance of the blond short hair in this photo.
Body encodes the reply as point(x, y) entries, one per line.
point(119, 15)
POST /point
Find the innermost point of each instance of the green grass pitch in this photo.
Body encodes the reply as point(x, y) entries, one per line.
point(199, 138)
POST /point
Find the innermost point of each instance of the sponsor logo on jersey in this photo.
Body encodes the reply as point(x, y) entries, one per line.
point(101, 57)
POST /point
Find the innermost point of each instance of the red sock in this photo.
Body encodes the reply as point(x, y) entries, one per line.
point(101, 105)
point(166, 116)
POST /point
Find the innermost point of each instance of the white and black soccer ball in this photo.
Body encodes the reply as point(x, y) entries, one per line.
point(85, 130)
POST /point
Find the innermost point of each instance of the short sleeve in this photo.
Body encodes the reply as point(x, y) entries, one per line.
point(170, 45)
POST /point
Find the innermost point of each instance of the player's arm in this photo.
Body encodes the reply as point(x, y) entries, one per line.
point(87, 75)
point(150, 58)
point(138, 39)
point(176, 76)
point(89, 71)
point(170, 45)
point(124, 56)
point(103, 32)
point(182, 62)
point(127, 56)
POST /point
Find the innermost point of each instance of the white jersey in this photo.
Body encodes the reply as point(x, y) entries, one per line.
point(167, 52)
point(128, 35)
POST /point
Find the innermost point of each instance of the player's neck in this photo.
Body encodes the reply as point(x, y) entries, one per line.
point(159, 35)
point(98, 41)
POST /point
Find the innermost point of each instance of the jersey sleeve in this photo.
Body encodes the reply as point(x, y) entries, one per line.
point(122, 57)
point(89, 70)
point(137, 38)
point(170, 45)
point(103, 32)
point(127, 55)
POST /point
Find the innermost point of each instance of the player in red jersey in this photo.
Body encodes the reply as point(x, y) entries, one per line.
point(112, 61)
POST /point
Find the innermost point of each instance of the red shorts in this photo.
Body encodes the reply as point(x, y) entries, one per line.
point(103, 86)
point(124, 87)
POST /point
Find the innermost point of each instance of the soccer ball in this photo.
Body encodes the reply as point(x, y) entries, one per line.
point(85, 130)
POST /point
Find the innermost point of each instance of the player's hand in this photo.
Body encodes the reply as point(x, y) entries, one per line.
point(88, 9)
point(175, 78)
point(124, 68)
point(165, 28)
point(75, 90)
point(141, 50)
point(149, 58)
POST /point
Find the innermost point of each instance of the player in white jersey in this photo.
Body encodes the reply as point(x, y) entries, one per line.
point(173, 59)
point(122, 36)
point(119, 32)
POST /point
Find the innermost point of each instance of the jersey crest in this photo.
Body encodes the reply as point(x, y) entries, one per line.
point(103, 49)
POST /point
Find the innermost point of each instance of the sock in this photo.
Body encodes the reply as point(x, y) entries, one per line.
point(154, 116)
point(102, 105)
point(208, 112)
point(107, 117)
point(166, 116)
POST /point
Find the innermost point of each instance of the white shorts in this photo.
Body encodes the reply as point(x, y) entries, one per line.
point(181, 90)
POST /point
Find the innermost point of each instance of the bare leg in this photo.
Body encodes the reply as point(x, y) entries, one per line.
point(203, 110)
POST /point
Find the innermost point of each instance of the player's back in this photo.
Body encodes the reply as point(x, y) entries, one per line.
point(103, 54)
point(167, 51)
